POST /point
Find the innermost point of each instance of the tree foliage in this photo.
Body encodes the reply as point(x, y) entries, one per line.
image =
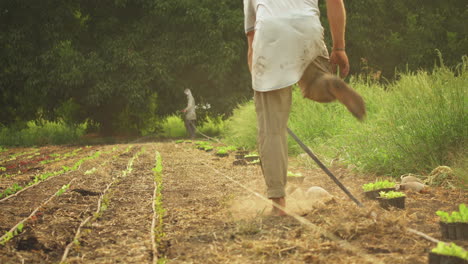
point(123, 64)
point(384, 35)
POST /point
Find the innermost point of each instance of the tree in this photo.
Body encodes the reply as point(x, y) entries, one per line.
point(118, 60)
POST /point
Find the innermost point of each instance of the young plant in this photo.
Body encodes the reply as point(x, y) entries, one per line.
point(231, 148)
point(207, 147)
point(62, 190)
point(378, 185)
point(450, 250)
point(291, 174)
point(251, 155)
point(222, 151)
point(179, 141)
point(391, 195)
point(257, 161)
point(2, 168)
point(455, 217)
point(9, 235)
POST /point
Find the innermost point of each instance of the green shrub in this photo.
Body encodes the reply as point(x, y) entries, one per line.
point(46, 133)
point(173, 127)
point(212, 126)
point(241, 127)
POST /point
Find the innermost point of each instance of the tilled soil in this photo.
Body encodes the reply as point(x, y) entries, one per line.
point(213, 214)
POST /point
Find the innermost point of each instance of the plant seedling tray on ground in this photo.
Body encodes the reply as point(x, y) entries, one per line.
point(398, 202)
point(373, 195)
point(251, 157)
point(240, 162)
point(443, 259)
point(456, 231)
point(239, 156)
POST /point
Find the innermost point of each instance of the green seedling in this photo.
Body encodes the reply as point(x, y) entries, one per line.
point(255, 161)
point(291, 174)
point(11, 190)
point(42, 177)
point(91, 171)
point(455, 217)
point(251, 155)
point(231, 148)
point(391, 195)
point(450, 250)
point(222, 151)
point(9, 235)
point(2, 169)
point(62, 190)
point(179, 141)
point(207, 147)
point(378, 185)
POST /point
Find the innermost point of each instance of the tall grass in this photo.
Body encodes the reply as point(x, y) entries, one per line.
point(413, 124)
point(173, 127)
point(44, 134)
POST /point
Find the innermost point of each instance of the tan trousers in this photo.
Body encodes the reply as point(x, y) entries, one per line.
point(273, 109)
point(272, 119)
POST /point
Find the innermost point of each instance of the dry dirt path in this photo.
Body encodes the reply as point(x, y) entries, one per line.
point(209, 217)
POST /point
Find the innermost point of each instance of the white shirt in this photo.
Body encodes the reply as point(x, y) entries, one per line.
point(190, 109)
point(288, 37)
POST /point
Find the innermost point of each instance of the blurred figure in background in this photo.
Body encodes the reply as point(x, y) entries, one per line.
point(190, 115)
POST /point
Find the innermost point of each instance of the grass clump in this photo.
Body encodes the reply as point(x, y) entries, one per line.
point(174, 127)
point(413, 125)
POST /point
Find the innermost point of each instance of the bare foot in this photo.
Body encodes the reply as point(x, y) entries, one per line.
point(277, 211)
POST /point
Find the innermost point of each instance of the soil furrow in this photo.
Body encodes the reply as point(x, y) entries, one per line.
point(125, 225)
point(46, 236)
point(24, 177)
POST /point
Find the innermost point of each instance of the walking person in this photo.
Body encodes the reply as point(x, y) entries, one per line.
point(285, 46)
point(190, 116)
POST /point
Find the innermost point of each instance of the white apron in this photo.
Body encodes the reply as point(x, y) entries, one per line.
point(283, 47)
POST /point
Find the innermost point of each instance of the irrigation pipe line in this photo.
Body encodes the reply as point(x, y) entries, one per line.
point(33, 212)
point(30, 186)
point(42, 181)
point(345, 244)
point(324, 168)
point(155, 214)
point(78, 231)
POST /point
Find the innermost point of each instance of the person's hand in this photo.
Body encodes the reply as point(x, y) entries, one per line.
point(338, 58)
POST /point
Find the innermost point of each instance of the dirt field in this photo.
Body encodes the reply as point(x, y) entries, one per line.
point(96, 205)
